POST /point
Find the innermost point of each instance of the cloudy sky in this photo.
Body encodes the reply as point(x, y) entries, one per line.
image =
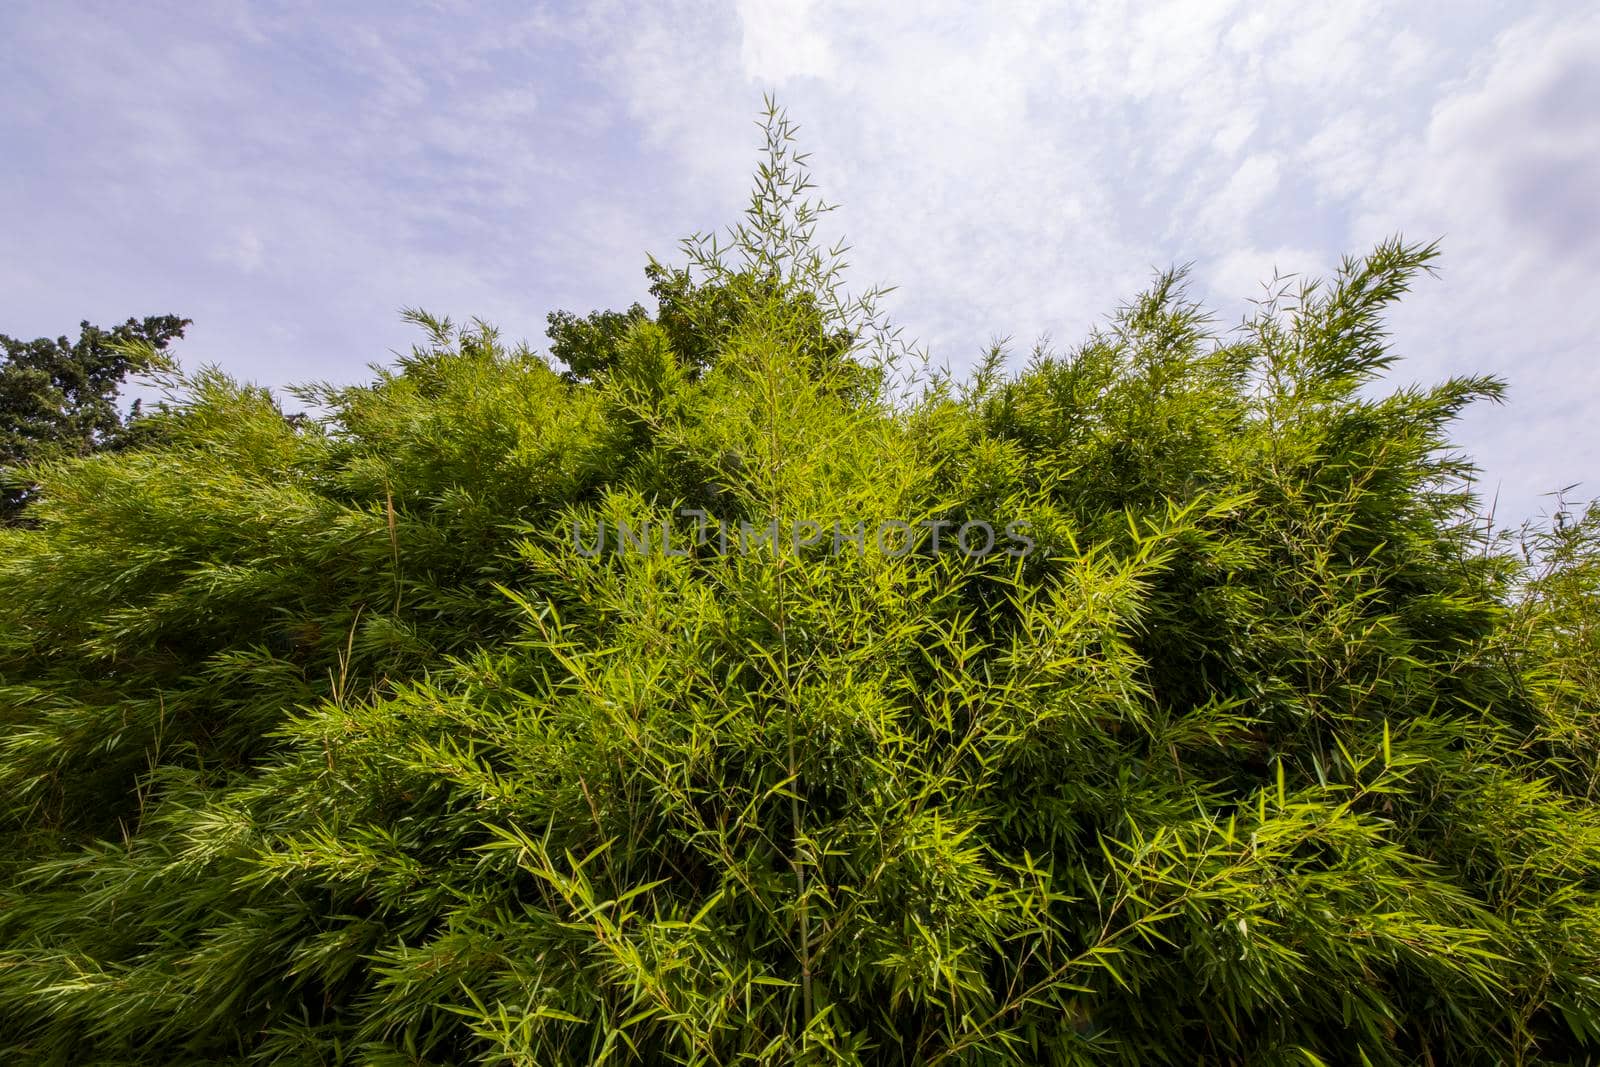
point(290, 175)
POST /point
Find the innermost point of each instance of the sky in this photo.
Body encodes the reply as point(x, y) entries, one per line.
point(292, 175)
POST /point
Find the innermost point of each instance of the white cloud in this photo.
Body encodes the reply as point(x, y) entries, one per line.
point(1504, 169)
point(781, 40)
point(1231, 208)
point(244, 251)
point(1248, 273)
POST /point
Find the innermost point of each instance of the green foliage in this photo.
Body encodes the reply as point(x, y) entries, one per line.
point(328, 742)
point(60, 399)
point(696, 320)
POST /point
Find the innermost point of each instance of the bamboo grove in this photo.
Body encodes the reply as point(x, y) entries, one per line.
point(325, 741)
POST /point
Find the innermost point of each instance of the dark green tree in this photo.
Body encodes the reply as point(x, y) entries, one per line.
point(695, 318)
point(588, 345)
point(58, 398)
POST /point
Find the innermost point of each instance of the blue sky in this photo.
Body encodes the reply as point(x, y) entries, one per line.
point(291, 175)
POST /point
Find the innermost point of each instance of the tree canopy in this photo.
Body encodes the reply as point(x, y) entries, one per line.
point(334, 742)
point(59, 398)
